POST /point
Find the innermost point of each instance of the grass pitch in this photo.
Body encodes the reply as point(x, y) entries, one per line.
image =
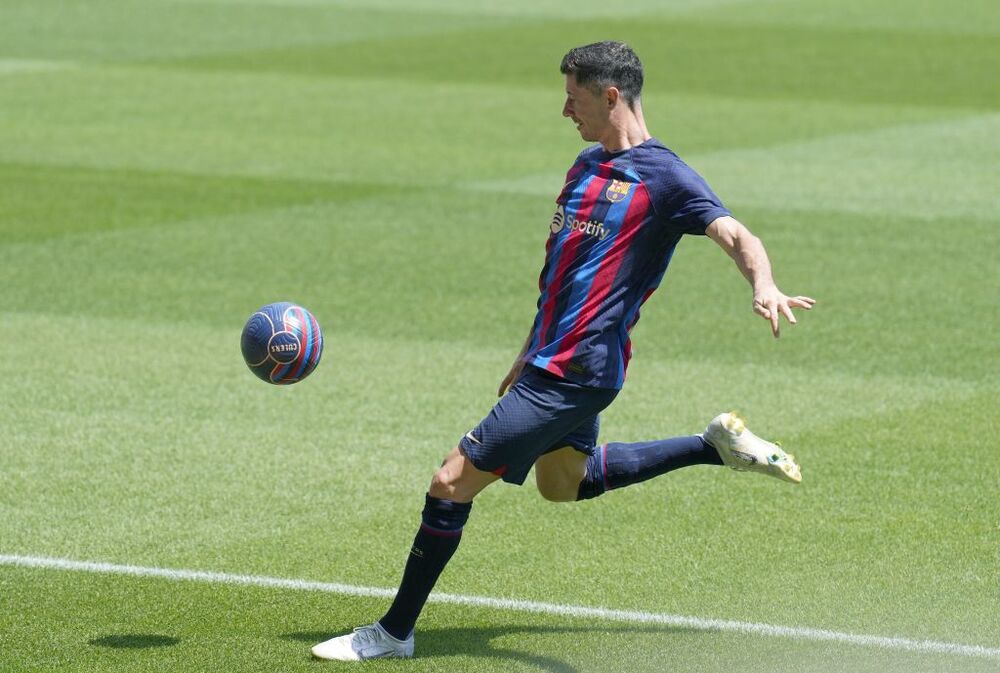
point(168, 167)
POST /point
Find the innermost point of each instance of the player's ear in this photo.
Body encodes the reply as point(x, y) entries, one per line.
point(611, 96)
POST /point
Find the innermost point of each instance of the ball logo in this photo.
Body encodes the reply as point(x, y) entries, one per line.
point(558, 220)
point(283, 347)
point(617, 191)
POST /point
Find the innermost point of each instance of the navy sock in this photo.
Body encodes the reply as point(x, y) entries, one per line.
point(436, 541)
point(615, 465)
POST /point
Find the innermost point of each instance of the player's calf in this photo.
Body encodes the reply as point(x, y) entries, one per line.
point(617, 465)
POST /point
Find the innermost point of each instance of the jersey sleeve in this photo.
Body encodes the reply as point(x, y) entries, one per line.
point(692, 206)
point(681, 198)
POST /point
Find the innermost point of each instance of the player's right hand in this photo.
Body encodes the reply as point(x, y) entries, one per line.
point(512, 376)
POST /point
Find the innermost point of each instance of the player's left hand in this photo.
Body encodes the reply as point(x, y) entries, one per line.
point(770, 303)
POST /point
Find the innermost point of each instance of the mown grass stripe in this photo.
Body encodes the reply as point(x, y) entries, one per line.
point(578, 611)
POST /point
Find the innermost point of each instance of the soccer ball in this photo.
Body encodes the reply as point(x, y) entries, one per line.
point(282, 343)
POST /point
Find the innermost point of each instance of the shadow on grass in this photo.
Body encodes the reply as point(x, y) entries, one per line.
point(134, 641)
point(477, 642)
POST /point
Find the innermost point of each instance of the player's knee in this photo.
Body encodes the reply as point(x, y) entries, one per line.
point(443, 485)
point(451, 483)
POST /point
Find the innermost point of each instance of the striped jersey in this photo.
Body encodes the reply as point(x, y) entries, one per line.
point(617, 221)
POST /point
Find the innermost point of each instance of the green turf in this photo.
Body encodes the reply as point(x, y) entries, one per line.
point(168, 167)
point(754, 61)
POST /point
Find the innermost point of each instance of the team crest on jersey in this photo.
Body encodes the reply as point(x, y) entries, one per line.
point(617, 191)
point(558, 220)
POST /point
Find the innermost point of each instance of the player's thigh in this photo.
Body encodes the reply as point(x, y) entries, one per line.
point(458, 479)
point(558, 473)
point(538, 415)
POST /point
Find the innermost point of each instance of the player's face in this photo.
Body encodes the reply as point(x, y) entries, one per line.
point(588, 110)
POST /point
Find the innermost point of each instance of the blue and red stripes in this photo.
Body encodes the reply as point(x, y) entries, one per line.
point(602, 282)
point(566, 254)
point(303, 325)
point(571, 175)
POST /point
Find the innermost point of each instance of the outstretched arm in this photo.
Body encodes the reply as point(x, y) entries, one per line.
point(751, 258)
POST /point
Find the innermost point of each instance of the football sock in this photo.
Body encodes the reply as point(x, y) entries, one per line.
point(615, 465)
point(436, 541)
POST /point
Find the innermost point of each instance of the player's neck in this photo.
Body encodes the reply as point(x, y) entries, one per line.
point(626, 129)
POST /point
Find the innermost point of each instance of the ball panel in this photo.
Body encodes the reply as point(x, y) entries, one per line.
point(253, 341)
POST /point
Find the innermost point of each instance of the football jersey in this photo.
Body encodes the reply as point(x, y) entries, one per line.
point(617, 221)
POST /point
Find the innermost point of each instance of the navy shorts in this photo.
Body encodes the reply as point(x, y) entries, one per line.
point(540, 413)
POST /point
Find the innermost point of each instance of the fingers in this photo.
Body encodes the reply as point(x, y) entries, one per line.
point(765, 308)
point(786, 307)
point(787, 311)
point(801, 302)
point(760, 308)
point(515, 371)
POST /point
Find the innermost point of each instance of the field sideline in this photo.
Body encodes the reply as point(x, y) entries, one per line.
point(168, 166)
point(585, 612)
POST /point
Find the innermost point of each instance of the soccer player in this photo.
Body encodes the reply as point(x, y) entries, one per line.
point(626, 203)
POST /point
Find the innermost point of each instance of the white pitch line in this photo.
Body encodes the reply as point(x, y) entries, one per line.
point(633, 616)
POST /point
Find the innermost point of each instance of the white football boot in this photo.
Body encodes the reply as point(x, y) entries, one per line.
point(367, 642)
point(742, 450)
